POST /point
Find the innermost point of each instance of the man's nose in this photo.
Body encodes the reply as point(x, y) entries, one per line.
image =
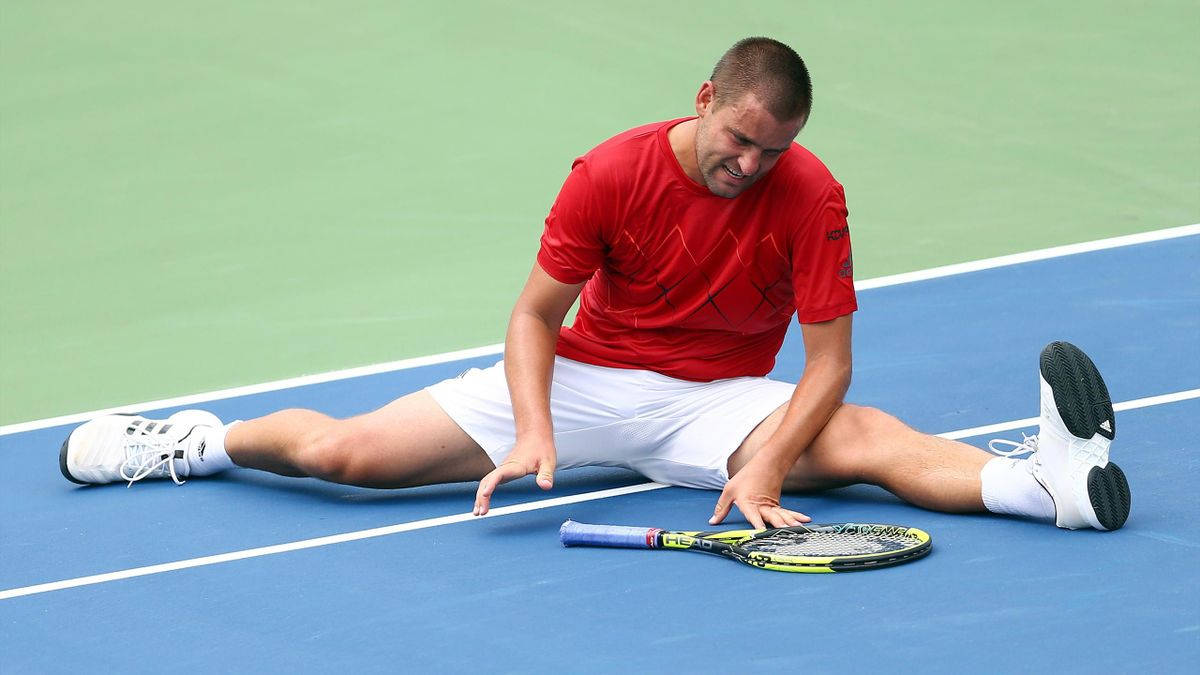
point(749, 161)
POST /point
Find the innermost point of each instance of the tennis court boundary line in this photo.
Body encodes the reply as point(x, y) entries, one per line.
point(439, 521)
point(1029, 256)
point(495, 349)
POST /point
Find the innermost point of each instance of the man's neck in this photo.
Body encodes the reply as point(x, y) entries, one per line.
point(682, 138)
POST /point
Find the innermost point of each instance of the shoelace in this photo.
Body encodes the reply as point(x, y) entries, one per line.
point(1027, 445)
point(147, 456)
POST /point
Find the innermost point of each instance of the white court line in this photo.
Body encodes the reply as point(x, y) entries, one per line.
point(1029, 256)
point(324, 541)
point(866, 284)
point(1031, 421)
point(464, 517)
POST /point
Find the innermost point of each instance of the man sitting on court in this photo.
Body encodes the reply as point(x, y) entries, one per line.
point(690, 245)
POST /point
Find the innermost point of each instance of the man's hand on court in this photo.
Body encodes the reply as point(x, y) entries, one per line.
point(526, 458)
point(756, 494)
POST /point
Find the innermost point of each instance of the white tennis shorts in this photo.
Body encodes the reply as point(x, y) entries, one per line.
point(671, 431)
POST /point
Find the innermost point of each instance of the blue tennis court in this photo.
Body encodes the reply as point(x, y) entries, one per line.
point(440, 590)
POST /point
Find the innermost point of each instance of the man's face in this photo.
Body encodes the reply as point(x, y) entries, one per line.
point(737, 142)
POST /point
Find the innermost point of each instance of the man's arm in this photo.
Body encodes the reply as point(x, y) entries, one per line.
point(755, 489)
point(528, 366)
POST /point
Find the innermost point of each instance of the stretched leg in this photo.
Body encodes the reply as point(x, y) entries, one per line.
point(1067, 476)
point(865, 445)
point(410, 441)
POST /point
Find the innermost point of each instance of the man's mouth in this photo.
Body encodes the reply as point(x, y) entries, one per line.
point(735, 174)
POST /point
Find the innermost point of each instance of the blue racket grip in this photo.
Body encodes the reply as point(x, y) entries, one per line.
point(581, 534)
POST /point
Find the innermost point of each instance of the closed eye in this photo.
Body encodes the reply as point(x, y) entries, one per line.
point(744, 141)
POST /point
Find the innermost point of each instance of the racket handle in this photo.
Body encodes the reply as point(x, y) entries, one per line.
point(581, 534)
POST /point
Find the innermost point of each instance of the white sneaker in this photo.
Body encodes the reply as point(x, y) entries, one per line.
point(130, 447)
point(1070, 451)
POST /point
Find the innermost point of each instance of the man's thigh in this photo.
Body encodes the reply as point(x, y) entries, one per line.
point(699, 425)
point(587, 407)
point(820, 466)
point(412, 441)
point(672, 431)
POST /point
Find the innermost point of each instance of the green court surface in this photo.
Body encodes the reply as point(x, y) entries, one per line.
point(202, 195)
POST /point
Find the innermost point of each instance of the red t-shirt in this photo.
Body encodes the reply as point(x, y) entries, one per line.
point(686, 283)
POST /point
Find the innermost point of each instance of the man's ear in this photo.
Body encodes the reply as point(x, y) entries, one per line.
point(705, 98)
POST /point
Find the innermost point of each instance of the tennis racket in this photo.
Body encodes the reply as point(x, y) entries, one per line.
point(835, 547)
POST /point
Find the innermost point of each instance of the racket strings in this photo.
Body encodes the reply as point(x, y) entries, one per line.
point(824, 544)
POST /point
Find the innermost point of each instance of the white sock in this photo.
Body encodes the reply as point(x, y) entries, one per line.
point(208, 456)
point(1009, 487)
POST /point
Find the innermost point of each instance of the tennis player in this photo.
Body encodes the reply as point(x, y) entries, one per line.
point(689, 244)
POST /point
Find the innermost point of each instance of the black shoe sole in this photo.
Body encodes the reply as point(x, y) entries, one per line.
point(1086, 408)
point(1079, 392)
point(1109, 493)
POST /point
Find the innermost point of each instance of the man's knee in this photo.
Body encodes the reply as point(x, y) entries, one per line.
point(333, 451)
point(860, 425)
point(857, 434)
point(863, 439)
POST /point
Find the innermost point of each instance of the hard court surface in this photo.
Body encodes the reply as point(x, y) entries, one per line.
point(207, 197)
point(949, 354)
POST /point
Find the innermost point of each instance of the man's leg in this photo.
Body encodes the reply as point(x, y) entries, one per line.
point(411, 441)
point(1067, 477)
point(865, 445)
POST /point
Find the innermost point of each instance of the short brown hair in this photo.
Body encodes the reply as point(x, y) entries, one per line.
point(773, 71)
